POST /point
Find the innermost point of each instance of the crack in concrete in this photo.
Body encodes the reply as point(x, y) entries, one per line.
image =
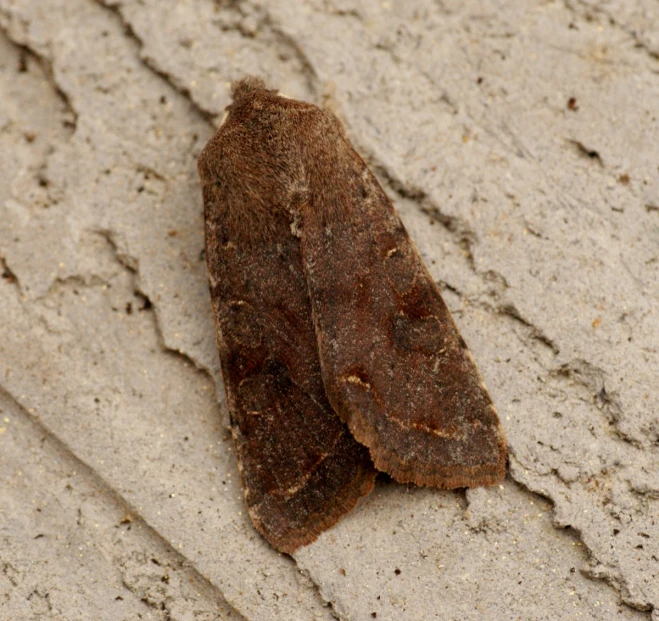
point(81, 466)
point(510, 310)
point(126, 260)
point(586, 152)
point(265, 19)
point(589, 9)
point(8, 274)
point(116, 9)
point(210, 117)
point(131, 265)
point(289, 42)
point(595, 569)
point(592, 377)
point(47, 68)
point(466, 238)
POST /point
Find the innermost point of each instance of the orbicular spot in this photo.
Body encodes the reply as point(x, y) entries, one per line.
point(417, 334)
point(262, 391)
point(253, 396)
point(239, 324)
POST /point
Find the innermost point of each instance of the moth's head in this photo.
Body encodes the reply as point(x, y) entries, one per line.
point(240, 89)
point(249, 93)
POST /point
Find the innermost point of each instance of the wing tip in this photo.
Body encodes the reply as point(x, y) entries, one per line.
point(291, 539)
point(432, 473)
point(443, 477)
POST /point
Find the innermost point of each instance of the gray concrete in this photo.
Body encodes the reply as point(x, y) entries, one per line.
point(119, 494)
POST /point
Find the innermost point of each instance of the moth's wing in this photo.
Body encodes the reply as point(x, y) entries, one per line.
point(301, 468)
point(394, 366)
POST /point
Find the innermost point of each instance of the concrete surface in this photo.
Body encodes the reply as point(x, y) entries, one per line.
point(520, 142)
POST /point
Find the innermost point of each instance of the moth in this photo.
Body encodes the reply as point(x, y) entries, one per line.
point(339, 356)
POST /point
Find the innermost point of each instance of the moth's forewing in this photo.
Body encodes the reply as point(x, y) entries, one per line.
point(394, 366)
point(301, 468)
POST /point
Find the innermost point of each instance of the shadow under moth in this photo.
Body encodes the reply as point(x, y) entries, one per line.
point(338, 354)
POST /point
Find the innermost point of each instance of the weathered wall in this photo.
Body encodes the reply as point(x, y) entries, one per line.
point(520, 143)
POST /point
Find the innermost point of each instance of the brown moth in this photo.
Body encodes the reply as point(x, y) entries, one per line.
point(338, 353)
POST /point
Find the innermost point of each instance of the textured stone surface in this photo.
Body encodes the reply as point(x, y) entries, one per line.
point(520, 144)
point(71, 549)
